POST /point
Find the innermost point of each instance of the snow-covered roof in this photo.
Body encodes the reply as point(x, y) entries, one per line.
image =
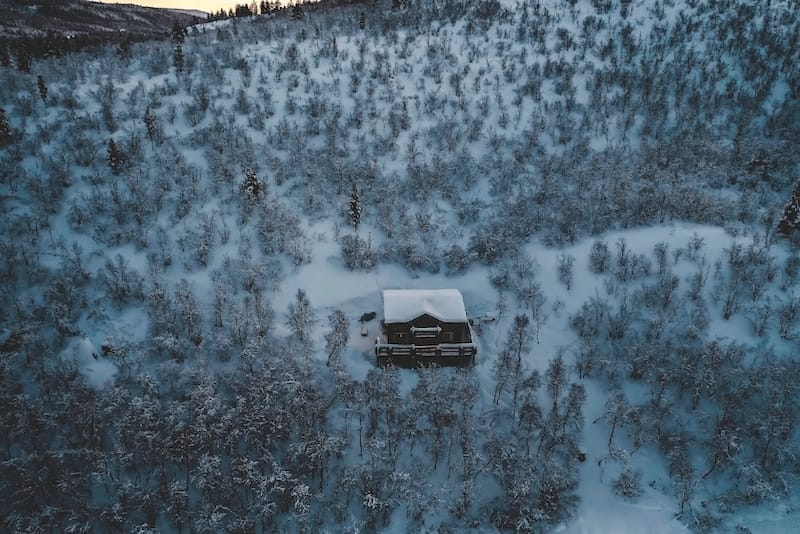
point(403, 305)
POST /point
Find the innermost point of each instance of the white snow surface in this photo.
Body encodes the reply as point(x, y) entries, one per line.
point(403, 305)
point(600, 511)
point(99, 371)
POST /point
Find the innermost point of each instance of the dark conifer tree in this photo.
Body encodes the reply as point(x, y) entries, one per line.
point(150, 124)
point(42, 87)
point(5, 128)
point(23, 59)
point(790, 222)
point(124, 49)
point(5, 57)
point(297, 12)
point(252, 186)
point(336, 339)
point(115, 158)
point(178, 33)
point(243, 10)
point(177, 58)
point(301, 316)
point(355, 208)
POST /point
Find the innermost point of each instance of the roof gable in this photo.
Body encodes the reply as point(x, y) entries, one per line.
point(404, 305)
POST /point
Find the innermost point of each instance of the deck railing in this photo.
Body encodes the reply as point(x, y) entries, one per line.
point(442, 350)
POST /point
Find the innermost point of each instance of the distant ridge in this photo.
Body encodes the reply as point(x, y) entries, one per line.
point(32, 18)
point(191, 12)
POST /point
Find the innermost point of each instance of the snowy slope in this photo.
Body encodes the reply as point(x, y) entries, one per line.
point(600, 181)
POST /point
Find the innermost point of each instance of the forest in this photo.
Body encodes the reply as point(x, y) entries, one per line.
point(193, 226)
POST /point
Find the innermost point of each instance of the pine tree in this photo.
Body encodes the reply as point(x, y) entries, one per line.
point(252, 186)
point(336, 339)
point(115, 159)
point(150, 124)
point(23, 59)
point(5, 57)
point(297, 12)
point(5, 129)
point(42, 87)
point(124, 49)
point(178, 33)
point(790, 222)
point(355, 208)
point(301, 317)
point(177, 58)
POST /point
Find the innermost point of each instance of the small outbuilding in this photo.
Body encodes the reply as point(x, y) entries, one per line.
point(423, 327)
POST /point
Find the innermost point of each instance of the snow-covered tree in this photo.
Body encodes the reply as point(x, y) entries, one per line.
point(42, 86)
point(152, 129)
point(790, 220)
point(354, 209)
point(178, 33)
point(336, 339)
point(178, 58)
point(5, 128)
point(301, 317)
point(566, 269)
point(251, 186)
point(114, 157)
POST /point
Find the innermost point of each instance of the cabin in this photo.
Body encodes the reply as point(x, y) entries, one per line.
point(424, 327)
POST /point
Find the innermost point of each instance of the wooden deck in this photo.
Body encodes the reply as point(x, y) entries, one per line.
point(442, 354)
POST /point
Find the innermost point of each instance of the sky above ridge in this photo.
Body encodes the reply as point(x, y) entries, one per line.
point(202, 5)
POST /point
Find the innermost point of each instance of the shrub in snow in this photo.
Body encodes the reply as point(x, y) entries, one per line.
point(357, 253)
point(599, 257)
point(790, 272)
point(121, 282)
point(630, 266)
point(628, 484)
point(591, 318)
point(456, 260)
point(660, 251)
point(483, 243)
point(697, 282)
point(280, 231)
point(566, 271)
point(660, 294)
point(788, 314)
point(759, 317)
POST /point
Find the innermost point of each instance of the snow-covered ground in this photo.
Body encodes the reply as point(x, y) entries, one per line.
point(600, 511)
point(493, 148)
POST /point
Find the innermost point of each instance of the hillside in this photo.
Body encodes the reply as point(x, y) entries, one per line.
point(74, 17)
point(192, 231)
point(49, 28)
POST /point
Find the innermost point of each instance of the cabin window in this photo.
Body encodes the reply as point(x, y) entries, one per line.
point(426, 332)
